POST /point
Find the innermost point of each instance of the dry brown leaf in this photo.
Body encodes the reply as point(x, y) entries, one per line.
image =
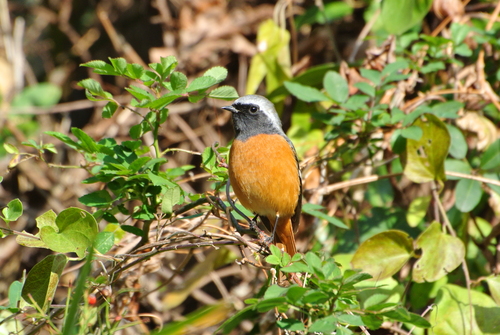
point(485, 129)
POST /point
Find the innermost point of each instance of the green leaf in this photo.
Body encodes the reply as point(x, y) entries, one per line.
point(65, 139)
point(417, 210)
point(132, 230)
point(94, 88)
point(433, 242)
point(402, 315)
point(312, 209)
point(99, 198)
point(104, 241)
point(336, 86)
point(74, 231)
point(352, 320)
point(219, 73)
point(491, 157)
point(119, 64)
point(455, 165)
point(397, 16)
point(201, 84)
point(224, 93)
point(13, 211)
point(494, 287)
point(383, 254)
point(101, 67)
point(171, 197)
point(41, 95)
point(448, 109)
point(11, 149)
point(109, 109)
point(168, 64)
point(325, 325)
point(87, 143)
point(15, 290)
point(412, 132)
point(295, 267)
point(458, 145)
point(72, 312)
point(178, 81)
point(291, 324)
point(42, 280)
point(424, 159)
point(372, 75)
point(468, 193)
point(452, 314)
point(305, 93)
point(366, 88)
point(134, 71)
point(432, 67)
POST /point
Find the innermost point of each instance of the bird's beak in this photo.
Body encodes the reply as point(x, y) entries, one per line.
point(231, 109)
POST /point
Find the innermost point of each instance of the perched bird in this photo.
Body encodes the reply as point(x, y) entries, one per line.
point(263, 168)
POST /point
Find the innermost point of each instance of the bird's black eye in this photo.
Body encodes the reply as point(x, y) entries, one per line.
point(254, 109)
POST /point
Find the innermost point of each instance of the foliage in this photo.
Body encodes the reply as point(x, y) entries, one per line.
point(401, 220)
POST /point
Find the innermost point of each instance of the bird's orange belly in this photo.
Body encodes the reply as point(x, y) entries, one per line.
point(264, 175)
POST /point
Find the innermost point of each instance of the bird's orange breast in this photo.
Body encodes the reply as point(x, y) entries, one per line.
point(264, 175)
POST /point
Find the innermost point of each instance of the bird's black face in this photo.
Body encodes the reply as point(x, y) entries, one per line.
point(250, 120)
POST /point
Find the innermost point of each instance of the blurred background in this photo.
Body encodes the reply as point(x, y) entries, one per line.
point(43, 43)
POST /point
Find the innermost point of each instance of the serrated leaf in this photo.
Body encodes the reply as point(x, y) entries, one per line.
point(119, 64)
point(42, 280)
point(109, 109)
point(424, 159)
point(92, 86)
point(336, 86)
point(433, 242)
point(101, 67)
point(65, 139)
point(224, 93)
point(200, 84)
point(219, 73)
point(134, 71)
point(305, 93)
point(178, 81)
point(383, 254)
point(87, 143)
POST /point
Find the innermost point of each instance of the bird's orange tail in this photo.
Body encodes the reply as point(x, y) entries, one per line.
point(285, 235)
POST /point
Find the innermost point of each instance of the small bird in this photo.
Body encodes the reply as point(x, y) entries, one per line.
point(264, 169)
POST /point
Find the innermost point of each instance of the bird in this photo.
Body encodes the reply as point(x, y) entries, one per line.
point(264, 168)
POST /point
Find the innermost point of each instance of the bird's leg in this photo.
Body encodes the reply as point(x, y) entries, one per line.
point(251, 222)
point(270, 239)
